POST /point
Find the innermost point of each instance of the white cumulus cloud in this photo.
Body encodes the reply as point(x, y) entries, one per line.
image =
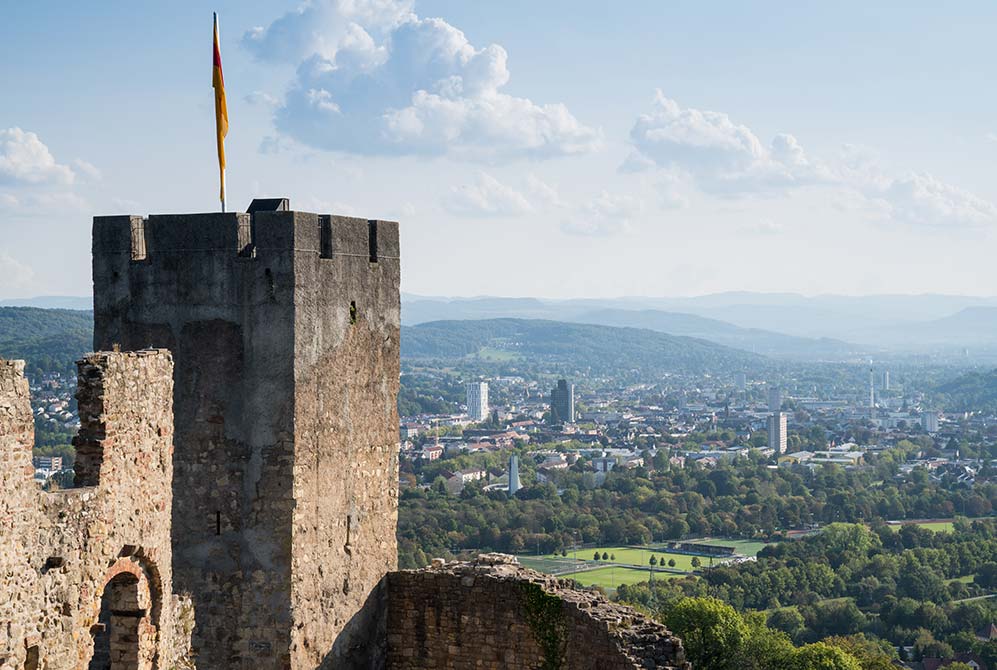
point(486, 196)
point(722, 157)
point(374, 78)
point(603, 216)
point(24, 159)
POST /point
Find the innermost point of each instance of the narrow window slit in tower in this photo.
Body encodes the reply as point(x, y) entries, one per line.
point(353, 312)
point(218, 523)
point(325, 236)
point(372, 240)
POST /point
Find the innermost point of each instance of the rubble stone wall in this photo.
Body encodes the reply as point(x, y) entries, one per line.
point(65, 553)
point(494, 614)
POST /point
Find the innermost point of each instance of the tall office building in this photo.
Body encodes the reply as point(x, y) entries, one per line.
point(775, 398)
point(741, 381)
point(514, 484)
point(477, 400)
point(929, 421)
point(562, 402)
point(886, 381)
point(777, 432)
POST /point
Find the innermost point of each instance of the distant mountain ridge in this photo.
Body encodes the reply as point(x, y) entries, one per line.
point(602, 349)
point(606, 313)
point(51, 302)
point(832, 326)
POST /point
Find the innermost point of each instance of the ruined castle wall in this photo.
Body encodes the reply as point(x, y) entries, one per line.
point(66, 547)
point(347, 317)
point(494, 614)
point(217, 291)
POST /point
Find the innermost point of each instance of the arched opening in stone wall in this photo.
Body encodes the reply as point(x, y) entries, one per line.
point(124, 637)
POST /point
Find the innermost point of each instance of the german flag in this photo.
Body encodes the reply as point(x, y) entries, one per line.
point(221, 109)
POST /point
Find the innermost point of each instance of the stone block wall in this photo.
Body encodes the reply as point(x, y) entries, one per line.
point(495, 614)
point(91, 565)
point(284, 326)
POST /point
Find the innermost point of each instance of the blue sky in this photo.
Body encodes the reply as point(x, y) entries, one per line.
point(556, 149)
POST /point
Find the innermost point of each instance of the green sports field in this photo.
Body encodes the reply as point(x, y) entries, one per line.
point(937, 526)
point(630, 556)
point(610, 578)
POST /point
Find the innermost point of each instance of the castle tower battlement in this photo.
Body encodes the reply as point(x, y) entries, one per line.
point(284, 327)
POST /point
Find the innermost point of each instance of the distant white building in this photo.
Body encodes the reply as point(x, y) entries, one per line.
point(929, 421)
point(477, 400)
point(777, 432)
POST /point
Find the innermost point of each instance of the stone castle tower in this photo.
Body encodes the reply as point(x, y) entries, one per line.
point(284, 327)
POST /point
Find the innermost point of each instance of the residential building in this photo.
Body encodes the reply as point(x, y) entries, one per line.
point(562, 402)
point(775, 398)
point(777, 432)
point(477, 400)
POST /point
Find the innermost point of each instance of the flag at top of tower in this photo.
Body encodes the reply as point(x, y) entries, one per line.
point(221, 109)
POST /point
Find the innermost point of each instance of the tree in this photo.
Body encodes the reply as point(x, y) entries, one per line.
point(654, 560)
point(788, 620)
point(595, 556)
point(696, 562)
point(605, 556)
point(612, 557)
point(671, 562)
point(711, 630)
point(822, 656)
point(871, 653)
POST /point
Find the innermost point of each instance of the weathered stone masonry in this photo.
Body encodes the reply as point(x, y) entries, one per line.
point(494, 614)
point(274, 504)
point(284, 326)
point(65, 554)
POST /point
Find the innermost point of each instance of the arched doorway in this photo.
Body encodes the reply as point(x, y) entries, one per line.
point(124, 637)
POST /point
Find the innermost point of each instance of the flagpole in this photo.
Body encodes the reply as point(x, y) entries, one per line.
point(221, 109)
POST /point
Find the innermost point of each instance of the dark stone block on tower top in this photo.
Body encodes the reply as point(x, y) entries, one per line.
point(269, 205)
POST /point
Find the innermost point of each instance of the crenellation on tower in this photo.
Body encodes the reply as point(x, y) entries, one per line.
point(285, 327)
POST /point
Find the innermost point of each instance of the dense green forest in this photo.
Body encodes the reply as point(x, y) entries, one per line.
point(909, 588)
point(973, 391)
point(743, 499)
point(49, 340)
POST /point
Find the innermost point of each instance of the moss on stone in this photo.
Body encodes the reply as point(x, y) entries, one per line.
point(545, 616)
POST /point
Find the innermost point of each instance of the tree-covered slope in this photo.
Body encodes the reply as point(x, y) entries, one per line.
point(48, 339)
point(601, 348)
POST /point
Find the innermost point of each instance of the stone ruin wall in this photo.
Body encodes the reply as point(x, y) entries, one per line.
point(493, 614)
point(64, 552)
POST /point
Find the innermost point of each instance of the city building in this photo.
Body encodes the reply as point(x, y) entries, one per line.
point(514, 484)
point(775, 398)
point(777, 432)
point(477, 400)
point(929, 421)
point(741, 381)
point(562, 402)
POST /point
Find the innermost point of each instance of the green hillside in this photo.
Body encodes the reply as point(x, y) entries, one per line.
point(601, 348)
point(50, 340)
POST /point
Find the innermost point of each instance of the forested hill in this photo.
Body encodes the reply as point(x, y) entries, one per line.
point(973, 391)
point(601, 348)
point(50, 340)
